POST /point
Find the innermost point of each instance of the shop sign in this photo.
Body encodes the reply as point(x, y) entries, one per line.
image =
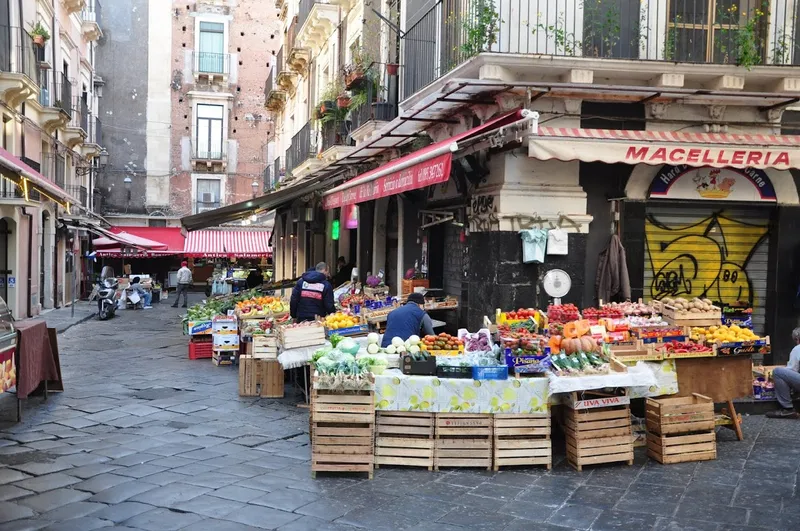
point(711, 156)
point(600, 402)
point(706, 183)
point(12, 282)
point(427, 173)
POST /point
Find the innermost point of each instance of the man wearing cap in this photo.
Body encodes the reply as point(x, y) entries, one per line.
point(408, 320)
point(184, 282)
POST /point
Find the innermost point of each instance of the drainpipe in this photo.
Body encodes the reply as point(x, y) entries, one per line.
point(30, 256)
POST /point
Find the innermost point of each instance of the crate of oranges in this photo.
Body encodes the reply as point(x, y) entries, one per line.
point(345, 325)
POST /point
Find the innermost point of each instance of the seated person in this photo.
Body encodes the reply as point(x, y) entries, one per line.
point(786, 379)
point(146, 296)
point(408, 320)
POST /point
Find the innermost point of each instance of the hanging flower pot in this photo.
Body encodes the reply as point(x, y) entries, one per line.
point(392, 69)
point(326, 107)
point(354, 79)
point(343, 102)
point(38, 40)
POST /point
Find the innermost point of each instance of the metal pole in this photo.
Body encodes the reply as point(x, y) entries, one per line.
point(74, 272)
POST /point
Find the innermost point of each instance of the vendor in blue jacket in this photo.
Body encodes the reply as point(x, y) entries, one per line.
point(312, 296)
point(408, 320)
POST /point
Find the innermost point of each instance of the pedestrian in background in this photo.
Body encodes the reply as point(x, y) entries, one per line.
point(787, 379)
point(312, 296)
point(184, 282)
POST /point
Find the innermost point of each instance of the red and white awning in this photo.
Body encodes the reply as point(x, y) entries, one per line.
point(718, 150)
point(228, 243)
point(149, 241)
point(425, 167)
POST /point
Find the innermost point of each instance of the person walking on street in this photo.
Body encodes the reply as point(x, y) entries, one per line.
point(184, 282)
point(312, 296)
point(786, 379)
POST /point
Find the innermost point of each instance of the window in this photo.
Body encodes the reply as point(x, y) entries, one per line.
point(211, 55)
point(209, 132)
point(156, 222)
point(208, 195)
point(718, 31)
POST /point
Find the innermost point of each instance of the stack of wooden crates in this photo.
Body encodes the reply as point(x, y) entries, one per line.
point(404, 438)
point(225, 332)
point(681, 429)
point(260, 373)
point(342, 425)
point(598, 430)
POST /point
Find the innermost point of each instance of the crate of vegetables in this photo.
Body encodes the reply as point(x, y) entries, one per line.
point(442, 345)
point(686, 349)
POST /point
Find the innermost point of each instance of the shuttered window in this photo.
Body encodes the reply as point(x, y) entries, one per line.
point(709, 252)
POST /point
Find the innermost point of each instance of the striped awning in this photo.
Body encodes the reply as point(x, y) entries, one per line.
point(228, 243)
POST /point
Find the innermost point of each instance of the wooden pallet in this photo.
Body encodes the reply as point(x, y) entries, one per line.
point(599, 435)
point(463, 440)
point(404, 438)
point(522, 440)
point(670, 449)
point(667, 416)
point(342, 429)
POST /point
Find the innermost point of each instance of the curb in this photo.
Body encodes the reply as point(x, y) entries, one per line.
point(61, 330)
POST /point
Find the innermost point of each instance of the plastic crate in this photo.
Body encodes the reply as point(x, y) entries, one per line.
point(199, 350)
point(498, 372)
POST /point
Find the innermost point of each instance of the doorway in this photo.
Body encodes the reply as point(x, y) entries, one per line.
point(392, 242)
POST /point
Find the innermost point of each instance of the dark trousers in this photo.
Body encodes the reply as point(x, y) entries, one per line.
point(184, 289)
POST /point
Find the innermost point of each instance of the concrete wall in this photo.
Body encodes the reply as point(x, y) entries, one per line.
point(123, 63)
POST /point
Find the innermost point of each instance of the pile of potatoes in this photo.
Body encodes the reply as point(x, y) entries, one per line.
point(695, 305)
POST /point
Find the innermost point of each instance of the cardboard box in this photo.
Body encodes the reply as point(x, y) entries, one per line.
point(196, 328)
point(226, 342)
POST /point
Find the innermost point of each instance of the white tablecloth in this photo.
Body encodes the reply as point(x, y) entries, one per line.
point(639, 375)
point(297, 357)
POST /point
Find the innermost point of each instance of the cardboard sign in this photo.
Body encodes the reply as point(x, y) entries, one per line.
point(600, 402)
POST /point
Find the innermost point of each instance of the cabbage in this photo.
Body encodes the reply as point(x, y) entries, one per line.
point(326, 365)
point(320, 352)
point(349, 345)
point(373, 281)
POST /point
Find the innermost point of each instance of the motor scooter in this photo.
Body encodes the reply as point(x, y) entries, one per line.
point(107, 294)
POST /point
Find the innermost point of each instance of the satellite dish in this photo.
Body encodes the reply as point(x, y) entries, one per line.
point(556, 284)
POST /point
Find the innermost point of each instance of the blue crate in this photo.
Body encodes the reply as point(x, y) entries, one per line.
point(498, 372)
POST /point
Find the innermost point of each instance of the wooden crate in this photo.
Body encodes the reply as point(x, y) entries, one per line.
point(598, 435)
point(522, 440)
point(404, 438)
point(259, 377)
point(305, 336)
point(410, 285)
point(670, 312)
point(342, 427)
point(263, 347)
point(670, 449)
point(667, 416)
point(463, 440)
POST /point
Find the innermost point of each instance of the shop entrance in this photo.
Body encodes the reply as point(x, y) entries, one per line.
point(392, 242)
point(5, 231)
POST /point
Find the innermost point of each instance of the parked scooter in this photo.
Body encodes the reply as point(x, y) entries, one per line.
point(107, 294)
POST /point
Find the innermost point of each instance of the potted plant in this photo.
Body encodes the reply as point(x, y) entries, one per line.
point(40, 34)
point(343, 101)
point(355, 73)
point(392, 69)
point(326, 106)
point(330, 95)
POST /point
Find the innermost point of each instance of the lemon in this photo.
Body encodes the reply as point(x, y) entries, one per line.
point(454, 401)
point(494, 402)
point(388, 391)
point(425, 405)
point(465, 405)
point(516, 383)
point(509, 395)
point(413, 399)
point(427, 392)
point(383, 404)
point(470, 394)
point(396, 380)
point(436, 382)
point(505, 407)
point(476, 383)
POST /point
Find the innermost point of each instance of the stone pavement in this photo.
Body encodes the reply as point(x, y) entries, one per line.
point(63, 318)
point(143, 438)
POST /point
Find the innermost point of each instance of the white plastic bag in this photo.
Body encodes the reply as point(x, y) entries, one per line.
point(557, 240)
point(533, 245)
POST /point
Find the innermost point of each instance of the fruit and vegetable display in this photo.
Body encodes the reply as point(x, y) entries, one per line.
point(374, 282)
point(630, 308)
point(639, 321)
point(338, 321)
point(687, 348)
point(442, 342)
point(340, 370)
point(531, 345)
point(412, 345)
point(261, 307)
point(609, 312)
point(580, 363)
point(479, 341)
point(723, 334)
point(206, 310)
point(349, 299)
point(562, 313)
point(260, 327)
point(695, 305)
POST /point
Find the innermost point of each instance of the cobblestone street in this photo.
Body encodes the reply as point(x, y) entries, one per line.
point(144, 438)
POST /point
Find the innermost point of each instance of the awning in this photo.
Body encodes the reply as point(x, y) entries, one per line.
point(265, 203)
point(425, 167)
point(718, 150)
point(228, 243)
point(129, 240)
point(30, 178)
point(170, 237)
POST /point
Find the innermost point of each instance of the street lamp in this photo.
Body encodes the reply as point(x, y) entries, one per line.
point(255, 188)
point(127, 181)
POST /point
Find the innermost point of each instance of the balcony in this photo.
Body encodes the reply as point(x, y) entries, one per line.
point(647, 33)
point(54, 168)
point(77, 129)
point(90, 21)
point(19, 76)
point(204, 206)
point(274, 96)
point(371, 115)
point(211, 159)
point(80, 193)
point(93, 144)
point(298, 58)
point(57, 104)
point(316, 21)
point(286, 79)
point(336, 142)
point(301, 158)
point(211, 66)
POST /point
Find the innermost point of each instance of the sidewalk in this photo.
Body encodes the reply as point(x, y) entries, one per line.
point(62, 319)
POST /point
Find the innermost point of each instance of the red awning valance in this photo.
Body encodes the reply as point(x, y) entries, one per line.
point(718, 150)
point(425, 167)
point(228, 243)
point(170, 238)
point(141, 241)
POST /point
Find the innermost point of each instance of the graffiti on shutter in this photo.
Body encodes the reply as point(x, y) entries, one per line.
point(719, 255)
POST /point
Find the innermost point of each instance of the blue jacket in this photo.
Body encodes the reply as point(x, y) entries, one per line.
point(312, 296)
point(404, 322)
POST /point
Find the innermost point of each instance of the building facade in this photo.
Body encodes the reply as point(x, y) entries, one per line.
point(187, 120)
point(669, 124)
point(51, 140)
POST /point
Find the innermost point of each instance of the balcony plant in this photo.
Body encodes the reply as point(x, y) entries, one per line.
point(328, 108)
point(357, 72)
point(40, 34)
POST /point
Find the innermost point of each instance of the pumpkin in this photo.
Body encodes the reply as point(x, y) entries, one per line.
point(555, 344)
point(571, 346)
point(587, 344)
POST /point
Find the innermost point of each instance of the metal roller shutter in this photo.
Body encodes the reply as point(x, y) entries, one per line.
point(709, 252)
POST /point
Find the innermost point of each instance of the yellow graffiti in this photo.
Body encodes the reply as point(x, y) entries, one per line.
point(707, 259)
